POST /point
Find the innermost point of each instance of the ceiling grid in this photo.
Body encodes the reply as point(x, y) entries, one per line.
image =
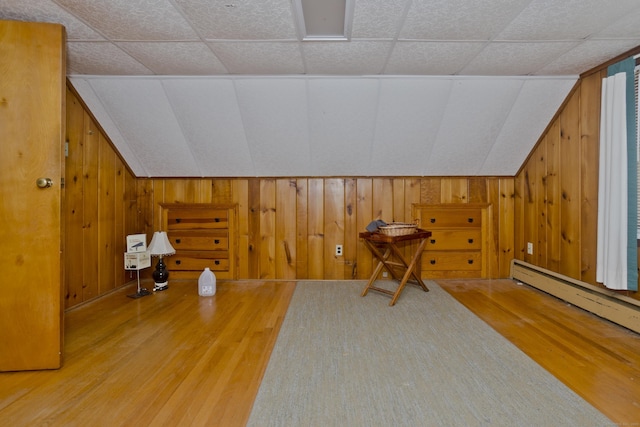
point(121, 53)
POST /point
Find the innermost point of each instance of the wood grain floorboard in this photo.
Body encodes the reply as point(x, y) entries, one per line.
point(171, 358)
point(597, 359)
point(174, 358)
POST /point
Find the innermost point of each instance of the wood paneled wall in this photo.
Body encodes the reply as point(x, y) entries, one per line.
point(289, 227)
point(557, 189)
point(100, 209)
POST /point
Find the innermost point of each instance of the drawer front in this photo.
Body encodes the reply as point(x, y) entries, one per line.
point(464, 239)
point(194, 260)
point(447, 218)
point(197, 219)
point(185, 240)
point(464, 261)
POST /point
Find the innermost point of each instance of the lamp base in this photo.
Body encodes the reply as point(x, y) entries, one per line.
point(161, 286)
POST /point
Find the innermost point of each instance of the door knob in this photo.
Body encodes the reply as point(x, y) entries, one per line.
point(44, 182)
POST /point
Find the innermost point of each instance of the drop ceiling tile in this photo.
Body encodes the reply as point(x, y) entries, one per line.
point(459, 19)
point(209, 116)
point(173, 58)
point(587, 55)
point(266, 58)
point(274, 115)
point(378, 18)
point(625, 27)
point(515, 59)
point(564, 20)
point(134, 20)
point(345, 58)
point(241, 20)
point(47, 11)
point(101, 58)
point(431, 58)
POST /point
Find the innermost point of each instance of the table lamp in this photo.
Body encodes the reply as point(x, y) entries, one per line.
point(160, 247)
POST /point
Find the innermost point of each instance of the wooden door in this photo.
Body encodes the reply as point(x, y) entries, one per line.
point(32, 97)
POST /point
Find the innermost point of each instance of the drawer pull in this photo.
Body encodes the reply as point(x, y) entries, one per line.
point(178, 220)
point(433, 241)
point(216, 262)
point(433, 261)
point(216, 241)
point(470, 220)
point(470, 240)
point(432, 220)
point(177, 240)
point(470, 261)
point(217, 219)
point(178, 262)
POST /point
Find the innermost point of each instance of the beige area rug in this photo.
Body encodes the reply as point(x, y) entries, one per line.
point(345, 360)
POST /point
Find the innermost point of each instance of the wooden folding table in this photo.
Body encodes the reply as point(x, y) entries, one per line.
point(385, 249)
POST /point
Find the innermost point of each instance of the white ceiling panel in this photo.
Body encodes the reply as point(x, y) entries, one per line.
point(458, 19)
point(47, 11)
point(93, 57)
point(408, 118)
point(378, 19)
point(341, 58)
point(132, 19)
point(625, 27)
point(324, 126)
point(89, 96)
point(342, 114)
point(588, 54)
point(274, 115)
point(331, 100)
point(142, 112)
point(519, 57)
point(536, 102)
point(186, 58)
point(260, 57)
point(209, 116)
point(475, 114)
point(565, 20)
point(430, 58)
point(241, 20)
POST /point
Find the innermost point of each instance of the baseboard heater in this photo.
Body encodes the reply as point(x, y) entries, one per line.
point(607, 304)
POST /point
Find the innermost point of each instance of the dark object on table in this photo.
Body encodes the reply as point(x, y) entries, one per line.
point(373, 225)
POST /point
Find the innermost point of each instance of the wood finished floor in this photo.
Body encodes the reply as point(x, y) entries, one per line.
point(597, 359)
point(174, 358)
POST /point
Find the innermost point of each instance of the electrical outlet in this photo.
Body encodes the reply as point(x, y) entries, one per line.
point(530, 248)
point(338, 250)
point(385, 274)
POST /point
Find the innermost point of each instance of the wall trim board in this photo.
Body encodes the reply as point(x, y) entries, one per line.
point(607, 304)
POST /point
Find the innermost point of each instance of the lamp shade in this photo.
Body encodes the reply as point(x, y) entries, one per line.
point(160, 245)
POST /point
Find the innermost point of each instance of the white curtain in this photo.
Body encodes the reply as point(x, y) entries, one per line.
point(611, 267)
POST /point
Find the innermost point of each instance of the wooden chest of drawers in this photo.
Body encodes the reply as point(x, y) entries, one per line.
point(203, 235)
point(458, 246)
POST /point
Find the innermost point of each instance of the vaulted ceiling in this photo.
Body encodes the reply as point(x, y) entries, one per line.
point(422, 87)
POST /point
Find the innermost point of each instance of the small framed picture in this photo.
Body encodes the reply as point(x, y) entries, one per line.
point(136, 243)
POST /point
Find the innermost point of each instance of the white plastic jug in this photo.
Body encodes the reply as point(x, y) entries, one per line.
point(207, 283)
